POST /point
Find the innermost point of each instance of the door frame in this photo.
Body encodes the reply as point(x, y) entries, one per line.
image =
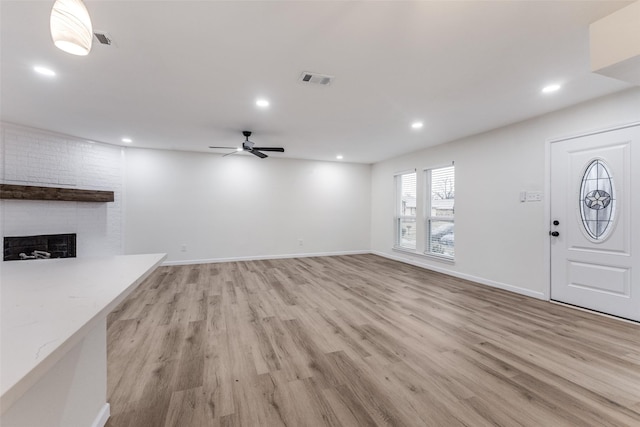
point(547, 189)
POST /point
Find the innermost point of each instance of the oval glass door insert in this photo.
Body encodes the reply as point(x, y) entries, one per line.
point(597, 200)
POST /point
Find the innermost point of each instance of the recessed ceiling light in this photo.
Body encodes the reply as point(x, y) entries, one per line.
point(417, 125)
point(44, 71)
point(339, 157)
point(262, 103)
point(550, 88)
point(127, 140)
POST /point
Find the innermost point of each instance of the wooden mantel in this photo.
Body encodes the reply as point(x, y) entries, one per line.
point(30, 192)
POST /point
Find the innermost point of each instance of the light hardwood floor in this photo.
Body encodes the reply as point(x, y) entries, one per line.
point(360, 341)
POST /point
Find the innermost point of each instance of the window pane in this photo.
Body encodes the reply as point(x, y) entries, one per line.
point(441, 238)
point(443, 191)
point(597, 200)
point(441, 210)
point(406, 211)
point(407, 195)
point(407, 233)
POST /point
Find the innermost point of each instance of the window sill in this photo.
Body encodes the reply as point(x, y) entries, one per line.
point(443, 259)
point(405, 250)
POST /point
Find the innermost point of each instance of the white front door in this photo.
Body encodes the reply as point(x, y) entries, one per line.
point(595, 214)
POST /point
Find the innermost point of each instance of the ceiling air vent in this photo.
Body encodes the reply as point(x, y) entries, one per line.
point(316, 78)
point(103, 37)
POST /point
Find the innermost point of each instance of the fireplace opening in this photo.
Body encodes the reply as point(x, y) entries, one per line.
point(36, 247)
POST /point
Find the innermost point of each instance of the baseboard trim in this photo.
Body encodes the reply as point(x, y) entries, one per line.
point(102, 417)
point(263, 257)
point(480, 280)
point(597, 313)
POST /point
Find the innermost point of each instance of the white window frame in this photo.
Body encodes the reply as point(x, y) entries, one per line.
point(428, 217)
point(398, 217)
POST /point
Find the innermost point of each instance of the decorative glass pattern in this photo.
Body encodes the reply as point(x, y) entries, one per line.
point(597, 200)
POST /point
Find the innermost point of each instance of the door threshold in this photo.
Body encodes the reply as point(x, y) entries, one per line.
point(599, 313)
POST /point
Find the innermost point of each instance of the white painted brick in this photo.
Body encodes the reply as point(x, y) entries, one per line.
point(34, 157)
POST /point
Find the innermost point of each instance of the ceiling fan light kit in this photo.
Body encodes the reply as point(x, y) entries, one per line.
point(250, 147)
point(71, 28)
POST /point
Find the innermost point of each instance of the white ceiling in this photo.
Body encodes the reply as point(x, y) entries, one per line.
point(184, 75)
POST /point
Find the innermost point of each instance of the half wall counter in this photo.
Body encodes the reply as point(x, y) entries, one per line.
point(53, 336)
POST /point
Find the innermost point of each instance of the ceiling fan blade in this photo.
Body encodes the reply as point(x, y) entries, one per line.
point(228, 154)
point(257, 153)
point(278, 149)
point(225, 148)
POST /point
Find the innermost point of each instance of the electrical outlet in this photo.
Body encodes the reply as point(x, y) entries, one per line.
point(183, 247)
point(534, 196)
point(300, 242)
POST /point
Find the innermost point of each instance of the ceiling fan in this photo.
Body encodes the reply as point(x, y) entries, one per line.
point(251, 148)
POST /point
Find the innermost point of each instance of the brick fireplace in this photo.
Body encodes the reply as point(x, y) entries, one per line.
point(42, 246)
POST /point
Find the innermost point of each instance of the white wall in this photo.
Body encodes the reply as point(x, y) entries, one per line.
point(40, 158)
point(242, 206)
point(499, 241)
point(245, 207)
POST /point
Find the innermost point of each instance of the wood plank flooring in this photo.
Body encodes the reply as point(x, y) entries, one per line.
point(360, 341)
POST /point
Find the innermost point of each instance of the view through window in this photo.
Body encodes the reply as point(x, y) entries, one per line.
point(440, 211)
point(406, 210)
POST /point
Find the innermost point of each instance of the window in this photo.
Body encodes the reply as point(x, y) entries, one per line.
point(405, 222)
point(440, 209)
point(597, 200)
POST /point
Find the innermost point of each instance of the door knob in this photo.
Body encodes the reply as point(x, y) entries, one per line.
point(556, 222)
point(554, 233)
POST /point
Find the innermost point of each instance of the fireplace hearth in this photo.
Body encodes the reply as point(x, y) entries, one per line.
point(37, 247)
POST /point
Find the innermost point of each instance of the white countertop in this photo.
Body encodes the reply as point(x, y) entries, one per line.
point(48, 306)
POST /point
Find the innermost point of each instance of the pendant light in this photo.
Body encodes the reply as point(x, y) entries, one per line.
point(71, 29)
